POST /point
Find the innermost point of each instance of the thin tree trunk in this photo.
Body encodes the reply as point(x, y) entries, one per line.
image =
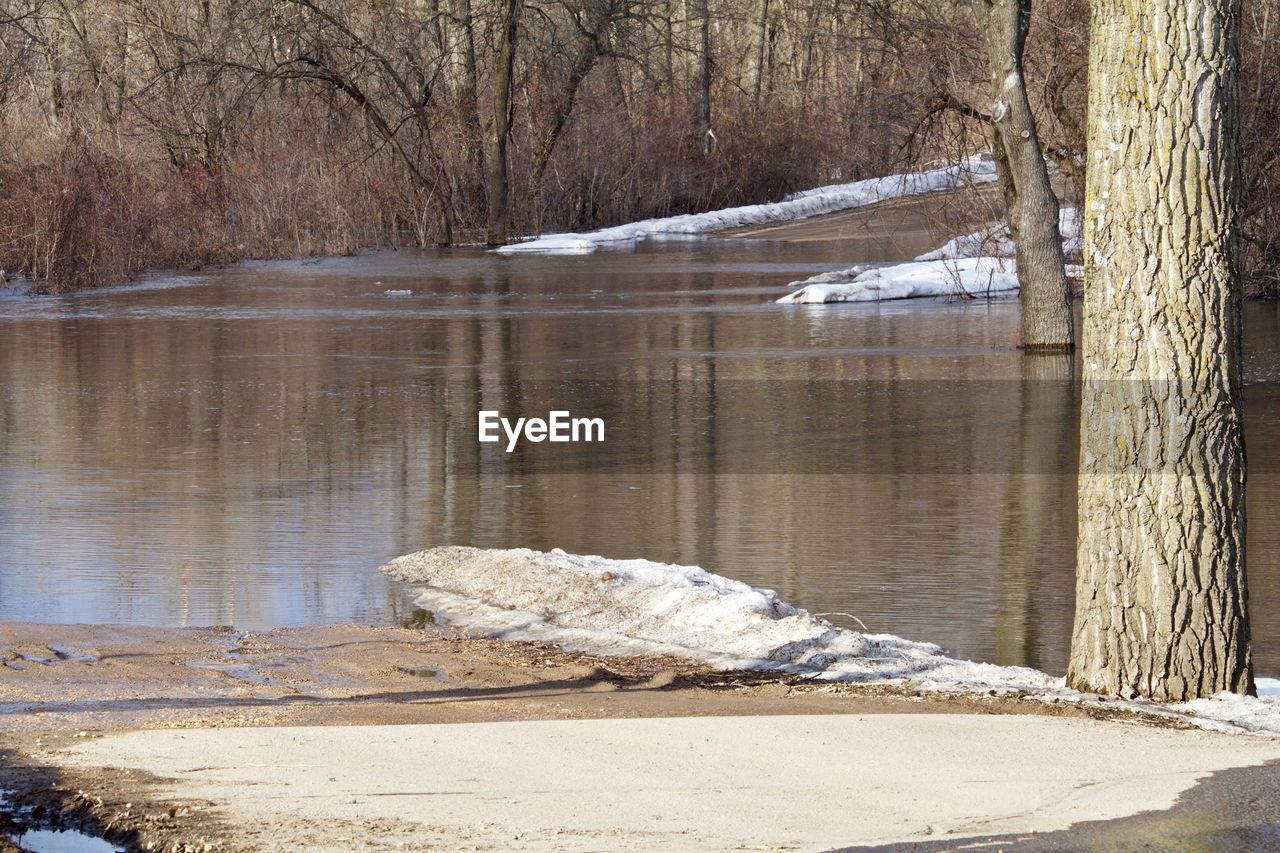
point(756, 54)
point(1263, 43)
point(498, 178)
point(1030, 205)
point(701, 16)
point(859, 49)
point(1161, 604)
point(808, 48)
point(589, 49)
point(463, 46)
point(668, 44)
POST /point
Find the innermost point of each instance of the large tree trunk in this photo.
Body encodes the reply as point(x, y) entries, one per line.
point(1030, 205)
point(1161, 607)
point(498, 189)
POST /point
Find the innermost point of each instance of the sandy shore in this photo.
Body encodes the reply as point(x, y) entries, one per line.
point(324, 737)
point(694, 783)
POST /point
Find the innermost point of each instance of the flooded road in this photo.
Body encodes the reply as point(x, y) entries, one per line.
point(247, 446)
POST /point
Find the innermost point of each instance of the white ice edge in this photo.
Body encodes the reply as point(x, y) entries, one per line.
point(601, 606)
point(978, 168)
point(971, 265)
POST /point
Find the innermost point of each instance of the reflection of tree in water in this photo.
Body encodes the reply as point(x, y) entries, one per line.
point(1038, 522)
point(257, 467)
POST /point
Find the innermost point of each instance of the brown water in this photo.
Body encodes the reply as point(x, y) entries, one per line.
point(247, 446)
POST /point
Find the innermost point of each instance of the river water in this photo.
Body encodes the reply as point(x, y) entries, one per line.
point(247, 446)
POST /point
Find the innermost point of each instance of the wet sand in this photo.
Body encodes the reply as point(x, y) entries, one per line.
point(71, 695)
point(810, 782)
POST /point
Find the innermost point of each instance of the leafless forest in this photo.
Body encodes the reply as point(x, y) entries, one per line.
point(162, 133)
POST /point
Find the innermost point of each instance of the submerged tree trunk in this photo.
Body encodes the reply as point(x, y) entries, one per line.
point(498, 181)
point(1030, 205)
point(1161, 605)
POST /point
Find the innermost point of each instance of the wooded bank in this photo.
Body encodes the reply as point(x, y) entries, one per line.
point(162, 133)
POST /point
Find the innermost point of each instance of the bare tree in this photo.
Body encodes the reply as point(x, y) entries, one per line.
point(756, 51)
point(498, 180)
point(700, 15)
point(280, 126)
point(1030, 204)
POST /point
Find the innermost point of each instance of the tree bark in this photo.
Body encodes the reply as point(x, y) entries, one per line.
point(1030, 205)
point(498, 190)
point(1161, 604)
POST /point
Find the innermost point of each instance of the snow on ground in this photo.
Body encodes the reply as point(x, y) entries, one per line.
point(977, 264)
point(978, 168)
point(637, 607)
point(912, 280)
point(996, 241)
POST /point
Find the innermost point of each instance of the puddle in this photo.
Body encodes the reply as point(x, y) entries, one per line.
point(419, 619)
point(423, 672)
point(65, 651)
point(63, 841)
point(241, 671)
point(46, 840)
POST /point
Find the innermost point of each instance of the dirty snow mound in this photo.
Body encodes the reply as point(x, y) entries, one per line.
point(631, 607)
point(600, 606)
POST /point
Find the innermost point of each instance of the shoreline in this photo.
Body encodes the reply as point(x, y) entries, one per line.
point(79, 685)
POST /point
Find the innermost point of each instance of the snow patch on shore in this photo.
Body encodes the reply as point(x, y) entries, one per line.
point(996, 240)
point(637, 607)
point(964, 277)
point(979, 168)
point(602, 606)
point(971, 265)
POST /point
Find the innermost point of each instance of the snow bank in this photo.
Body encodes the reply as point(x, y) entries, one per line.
point(977, 264)
point(1231, 712)
point(963, 277)
point(637, 607)
point(996, 241)
point(976, 169)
